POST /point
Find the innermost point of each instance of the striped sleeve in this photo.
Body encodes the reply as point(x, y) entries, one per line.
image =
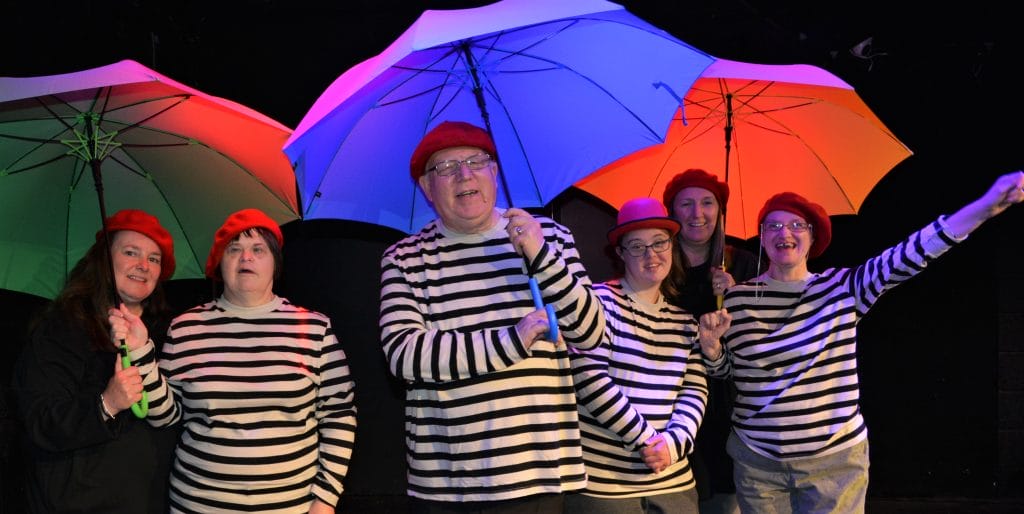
point(898, 263)
point(565, 284)
point(792, 350)
point(267, 405)
point(449, 305)
point(336, 419)
point(604, 400)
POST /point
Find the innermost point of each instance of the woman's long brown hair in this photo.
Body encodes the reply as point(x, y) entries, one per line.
point(88, 294)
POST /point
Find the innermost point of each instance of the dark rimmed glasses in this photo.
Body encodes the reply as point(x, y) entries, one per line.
point(452, 166)
point(639, 249)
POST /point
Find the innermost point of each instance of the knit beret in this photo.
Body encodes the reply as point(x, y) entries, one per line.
point(235, 224)
point(147, 225)
point(821, 225)
point(448, 134)
point(695, 177)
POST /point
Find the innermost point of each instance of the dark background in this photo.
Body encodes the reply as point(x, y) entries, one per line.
point(940, 356)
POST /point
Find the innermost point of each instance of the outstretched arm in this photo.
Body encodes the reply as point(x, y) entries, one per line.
point(1006, 191)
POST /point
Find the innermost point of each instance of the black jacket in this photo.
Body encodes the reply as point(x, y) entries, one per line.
point(77, 461)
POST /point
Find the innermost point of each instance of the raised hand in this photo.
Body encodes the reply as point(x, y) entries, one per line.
point(127, 327)
point(712, 326)
point(524, 232)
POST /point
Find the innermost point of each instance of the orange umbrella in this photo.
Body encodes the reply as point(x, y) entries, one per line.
point(764, 129)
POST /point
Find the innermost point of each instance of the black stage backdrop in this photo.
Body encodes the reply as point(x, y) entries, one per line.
point(944, 420)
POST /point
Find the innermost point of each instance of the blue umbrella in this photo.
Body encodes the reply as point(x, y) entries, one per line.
point(563, 87)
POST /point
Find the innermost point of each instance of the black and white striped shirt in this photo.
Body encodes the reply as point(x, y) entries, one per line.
point(647, 377)
point(267, 404)
point(791, 349)
point(486, 419)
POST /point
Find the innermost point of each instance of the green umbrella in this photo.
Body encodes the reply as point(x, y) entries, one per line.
point(78, 145)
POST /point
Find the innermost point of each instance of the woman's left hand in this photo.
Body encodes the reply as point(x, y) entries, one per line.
point(319, 507)
point(721, 280)
point(655, 453)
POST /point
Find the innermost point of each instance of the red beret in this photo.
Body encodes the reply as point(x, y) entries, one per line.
point(237, 223)
point(147, 225)
point(448, 134)
point(821, 225)
point(696, 178)
point(641, 213)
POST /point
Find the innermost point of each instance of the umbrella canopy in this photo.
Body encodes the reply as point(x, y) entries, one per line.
point(793, 127)
point(186, 157)
point(564, 88)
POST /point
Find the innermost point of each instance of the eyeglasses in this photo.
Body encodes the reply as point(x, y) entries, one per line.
point(639, 250)
point(795, 227)
point(451, 167)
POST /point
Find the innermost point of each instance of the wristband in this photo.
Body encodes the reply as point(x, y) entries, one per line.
point(103, 407)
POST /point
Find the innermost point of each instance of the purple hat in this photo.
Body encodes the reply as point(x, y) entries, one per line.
point(641, 213)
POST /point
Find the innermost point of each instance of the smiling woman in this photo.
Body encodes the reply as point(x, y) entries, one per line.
point(73, 392)
point(638, 433)
point(794, 333)
point(281, 55)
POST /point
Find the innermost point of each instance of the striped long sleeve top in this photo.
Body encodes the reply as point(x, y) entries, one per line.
point(646, 377)
point(791, 349)
point(267, 404)
point(486, 418)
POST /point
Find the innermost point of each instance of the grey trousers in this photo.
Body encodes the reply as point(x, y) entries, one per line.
point(835, 483)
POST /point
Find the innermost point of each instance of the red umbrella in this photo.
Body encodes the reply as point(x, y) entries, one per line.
point(764, 129)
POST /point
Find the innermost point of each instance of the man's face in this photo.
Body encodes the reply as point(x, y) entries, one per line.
point(464, 200)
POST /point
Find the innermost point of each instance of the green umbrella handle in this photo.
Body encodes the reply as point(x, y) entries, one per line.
point(141, 407)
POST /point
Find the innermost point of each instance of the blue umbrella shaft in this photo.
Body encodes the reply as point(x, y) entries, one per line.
point(538, 302)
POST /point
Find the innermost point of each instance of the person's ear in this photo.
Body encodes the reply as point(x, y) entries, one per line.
point(425, 186)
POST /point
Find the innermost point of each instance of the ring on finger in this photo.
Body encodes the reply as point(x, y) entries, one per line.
point(519, 230)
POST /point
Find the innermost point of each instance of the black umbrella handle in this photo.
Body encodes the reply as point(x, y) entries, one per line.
point(97, 180)
point(141, 407)
point(719, 299)
point(481, 103)
point(478, 93)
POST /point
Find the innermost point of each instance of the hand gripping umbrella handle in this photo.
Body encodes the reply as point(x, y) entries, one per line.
point(538, 302)
point(141, 407)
